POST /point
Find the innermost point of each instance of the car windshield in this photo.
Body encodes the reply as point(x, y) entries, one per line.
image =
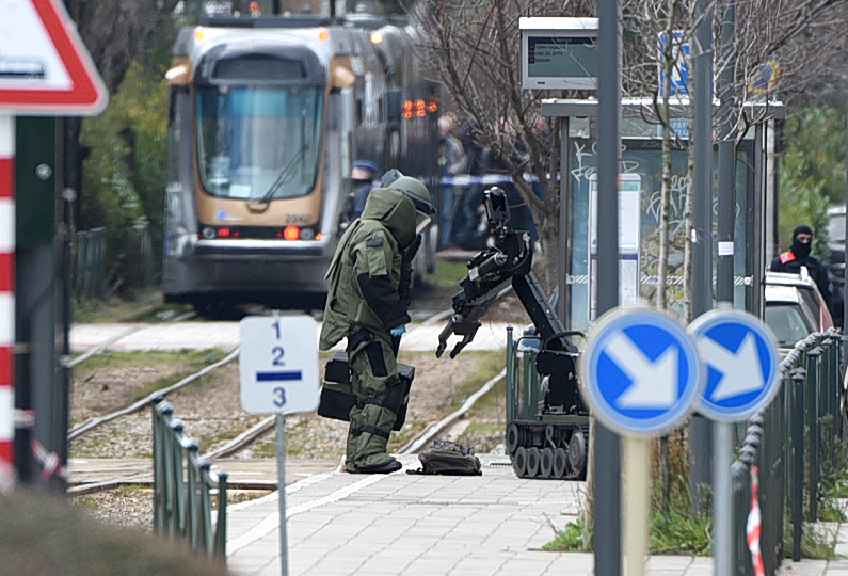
point(258, 143)
point(788, 323)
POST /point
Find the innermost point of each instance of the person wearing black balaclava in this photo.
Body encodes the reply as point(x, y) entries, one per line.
point(798, 256)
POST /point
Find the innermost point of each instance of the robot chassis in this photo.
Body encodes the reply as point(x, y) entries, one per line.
point(547, 436)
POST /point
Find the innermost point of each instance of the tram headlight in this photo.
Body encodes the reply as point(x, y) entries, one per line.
point(208, 233)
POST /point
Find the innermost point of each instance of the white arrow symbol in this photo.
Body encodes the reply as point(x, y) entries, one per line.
point(741, 369)
point(654, 383)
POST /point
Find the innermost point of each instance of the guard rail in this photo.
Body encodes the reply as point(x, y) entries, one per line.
point(185, 488)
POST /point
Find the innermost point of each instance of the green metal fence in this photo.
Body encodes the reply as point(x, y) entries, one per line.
point(801, 433)
point(789, 444)
point(185, 488)
point(91, 264)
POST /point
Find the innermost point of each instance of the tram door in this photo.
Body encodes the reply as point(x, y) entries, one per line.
point(629, 240)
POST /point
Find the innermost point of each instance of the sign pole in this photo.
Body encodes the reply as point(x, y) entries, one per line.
point(607, 445)
point(723, 508)
point(7, 302)
point(280, 421)
point(278, 367)
point(743, 361)
point(636, 493)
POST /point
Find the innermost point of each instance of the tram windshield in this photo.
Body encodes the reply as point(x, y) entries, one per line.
point(258, 143)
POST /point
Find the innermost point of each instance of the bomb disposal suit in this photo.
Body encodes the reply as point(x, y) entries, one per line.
point(367, 302)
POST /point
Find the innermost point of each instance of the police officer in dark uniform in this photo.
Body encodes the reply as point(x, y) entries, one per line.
point(362, 174)
point(798, 256)
point(370, 281)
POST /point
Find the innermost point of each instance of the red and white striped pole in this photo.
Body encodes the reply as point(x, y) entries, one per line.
point(7, 302)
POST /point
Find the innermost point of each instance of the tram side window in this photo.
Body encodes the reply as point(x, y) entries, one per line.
point(173, 184)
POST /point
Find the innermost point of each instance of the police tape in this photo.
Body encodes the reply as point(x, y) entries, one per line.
point(469, 180)
point(51, 464)
point(755, 526)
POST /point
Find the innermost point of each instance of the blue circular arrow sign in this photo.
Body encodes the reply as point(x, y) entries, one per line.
point(641, 372)
point(742, 361)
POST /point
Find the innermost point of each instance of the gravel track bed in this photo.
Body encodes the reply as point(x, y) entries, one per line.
point(211, 413)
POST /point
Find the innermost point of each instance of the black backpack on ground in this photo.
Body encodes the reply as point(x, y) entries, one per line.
point(448, 459)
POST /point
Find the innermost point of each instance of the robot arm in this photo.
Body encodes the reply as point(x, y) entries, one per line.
point(488, 273)
point(507, 262)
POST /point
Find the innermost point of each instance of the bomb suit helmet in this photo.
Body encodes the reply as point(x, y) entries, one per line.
point(416, 191)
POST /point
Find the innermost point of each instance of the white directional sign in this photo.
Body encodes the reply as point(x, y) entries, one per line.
point(278, 363)
point(641, 371)
point(742, 364)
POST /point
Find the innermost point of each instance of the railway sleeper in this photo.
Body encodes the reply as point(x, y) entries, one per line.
point(548, 450)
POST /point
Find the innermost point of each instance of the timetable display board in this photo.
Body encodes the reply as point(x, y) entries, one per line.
point(559, 53)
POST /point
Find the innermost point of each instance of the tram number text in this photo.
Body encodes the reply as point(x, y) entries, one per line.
point(279, 396)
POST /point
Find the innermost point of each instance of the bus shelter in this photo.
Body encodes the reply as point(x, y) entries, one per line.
point(756, 213)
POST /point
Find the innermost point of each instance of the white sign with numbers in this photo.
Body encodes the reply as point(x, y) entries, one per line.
point(278, 362)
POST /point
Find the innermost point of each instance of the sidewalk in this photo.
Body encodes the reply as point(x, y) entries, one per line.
point(225, 335)
point(408, 525)
point(403, 525)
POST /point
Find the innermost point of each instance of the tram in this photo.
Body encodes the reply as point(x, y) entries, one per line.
point(266, 118)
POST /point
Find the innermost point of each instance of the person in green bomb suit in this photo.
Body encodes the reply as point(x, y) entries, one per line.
point(370, 290)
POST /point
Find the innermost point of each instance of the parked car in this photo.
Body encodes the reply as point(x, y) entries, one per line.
point(794, 307)
point(836, 262)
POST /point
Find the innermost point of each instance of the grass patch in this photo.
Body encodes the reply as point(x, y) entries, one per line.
point(146, 359)
point(570, 538)
point(490, 364)
point(678, 531)
point(447, 274)
point(146, 303)
point(818, 541)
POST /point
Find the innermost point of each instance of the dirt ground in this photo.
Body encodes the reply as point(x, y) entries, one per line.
point(210, 408)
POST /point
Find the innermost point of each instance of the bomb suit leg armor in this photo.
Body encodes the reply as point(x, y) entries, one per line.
point(379, 397)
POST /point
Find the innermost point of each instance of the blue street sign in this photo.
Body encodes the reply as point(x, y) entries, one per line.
point(742, 363)
point(641, 372)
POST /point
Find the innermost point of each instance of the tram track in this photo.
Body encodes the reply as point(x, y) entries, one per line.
point(246, 438)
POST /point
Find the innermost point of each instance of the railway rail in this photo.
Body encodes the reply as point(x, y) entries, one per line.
point(110, 478)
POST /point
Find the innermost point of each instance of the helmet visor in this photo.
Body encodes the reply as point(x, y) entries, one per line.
point(421, 222)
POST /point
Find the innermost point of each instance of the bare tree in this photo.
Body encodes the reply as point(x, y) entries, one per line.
point(473, 46)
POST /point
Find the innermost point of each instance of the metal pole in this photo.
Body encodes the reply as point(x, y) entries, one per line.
point(702, 169)
point(7, 302)
point(702, 229)
point(723, 514)
point(722, 505)
point(562, 244)
point(726, 163)
point(845, 256)
point(637, 511)
point(607, 452)
point(280, 421)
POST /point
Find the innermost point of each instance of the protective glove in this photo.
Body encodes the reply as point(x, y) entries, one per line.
point(396, 332)
point(410, 251)
point(405, 285)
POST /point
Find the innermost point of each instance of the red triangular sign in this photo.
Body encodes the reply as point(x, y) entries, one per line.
point(44, 66)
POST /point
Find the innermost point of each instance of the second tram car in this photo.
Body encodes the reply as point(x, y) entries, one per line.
point(266, 118)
